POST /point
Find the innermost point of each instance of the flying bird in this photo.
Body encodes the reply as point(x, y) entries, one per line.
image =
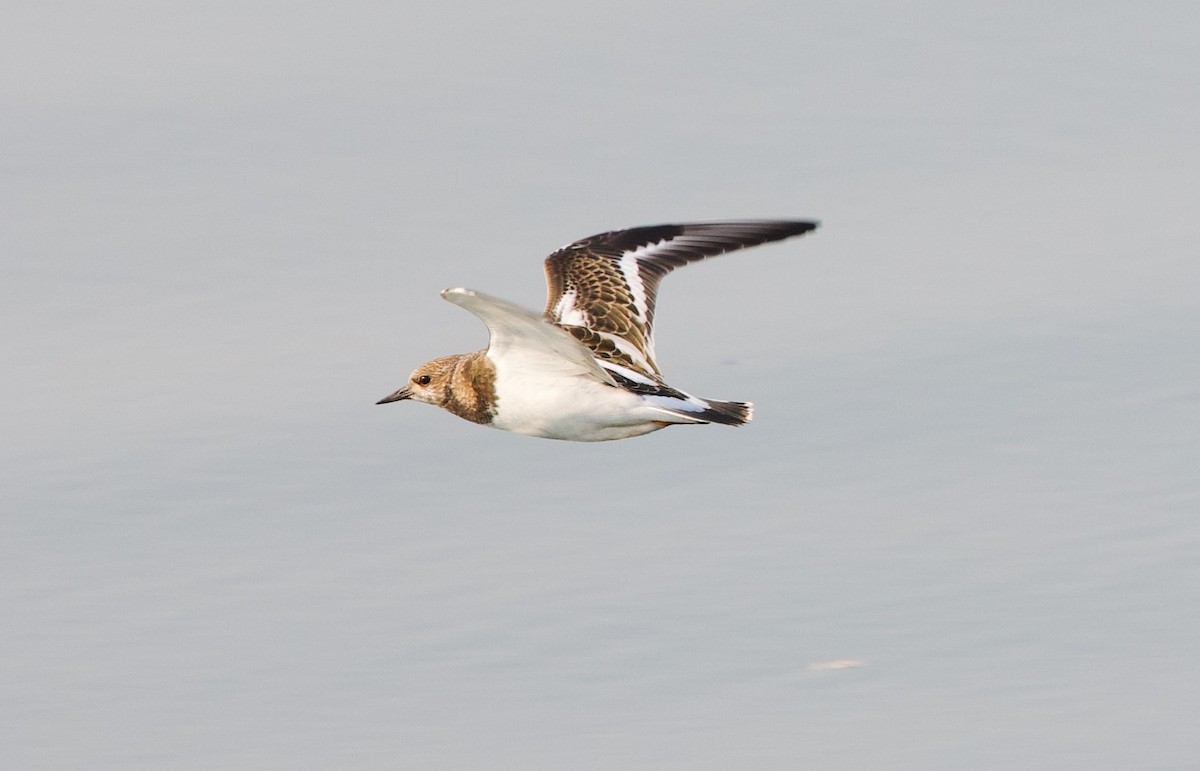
point(584, 369)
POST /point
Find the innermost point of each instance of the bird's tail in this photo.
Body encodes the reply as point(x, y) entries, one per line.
point(728, 413)
point(693, 409)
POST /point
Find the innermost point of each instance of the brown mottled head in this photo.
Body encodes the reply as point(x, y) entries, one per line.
point(463, 384)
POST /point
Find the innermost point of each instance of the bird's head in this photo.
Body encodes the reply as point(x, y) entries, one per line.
point(429, 383)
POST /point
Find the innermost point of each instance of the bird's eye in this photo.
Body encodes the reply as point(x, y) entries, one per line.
point(423, 379)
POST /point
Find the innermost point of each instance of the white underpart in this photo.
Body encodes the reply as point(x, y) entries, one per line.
point(533, 401)
point(551, 405)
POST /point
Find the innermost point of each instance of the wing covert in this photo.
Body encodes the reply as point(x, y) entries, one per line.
point(602, 289)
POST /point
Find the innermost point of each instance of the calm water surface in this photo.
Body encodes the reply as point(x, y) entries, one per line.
point(961, 532)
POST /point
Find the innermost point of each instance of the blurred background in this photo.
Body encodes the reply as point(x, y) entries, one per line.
point(960, 533)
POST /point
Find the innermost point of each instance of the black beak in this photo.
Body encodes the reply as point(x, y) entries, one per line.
point(400, 395)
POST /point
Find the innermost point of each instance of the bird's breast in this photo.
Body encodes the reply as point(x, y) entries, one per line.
point(571, 407)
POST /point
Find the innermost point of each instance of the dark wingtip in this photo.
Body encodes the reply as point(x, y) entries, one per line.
point(752, 232)
point(787, 228)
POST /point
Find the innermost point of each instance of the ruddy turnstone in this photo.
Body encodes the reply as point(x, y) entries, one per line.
point(584, 369)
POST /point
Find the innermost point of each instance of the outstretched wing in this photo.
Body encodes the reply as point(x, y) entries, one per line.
point(602, 289)
point(526, 341)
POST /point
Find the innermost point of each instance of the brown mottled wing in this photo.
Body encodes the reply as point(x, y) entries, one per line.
point(602, 289)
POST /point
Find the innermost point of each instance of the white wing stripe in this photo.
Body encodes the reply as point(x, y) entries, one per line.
point(566, 312)
point(633, 278)
point(629, 349)
point(627, 373)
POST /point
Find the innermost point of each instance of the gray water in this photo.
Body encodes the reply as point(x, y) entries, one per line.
point(962, 531)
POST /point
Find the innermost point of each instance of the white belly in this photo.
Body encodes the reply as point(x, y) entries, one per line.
point(575, 408)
